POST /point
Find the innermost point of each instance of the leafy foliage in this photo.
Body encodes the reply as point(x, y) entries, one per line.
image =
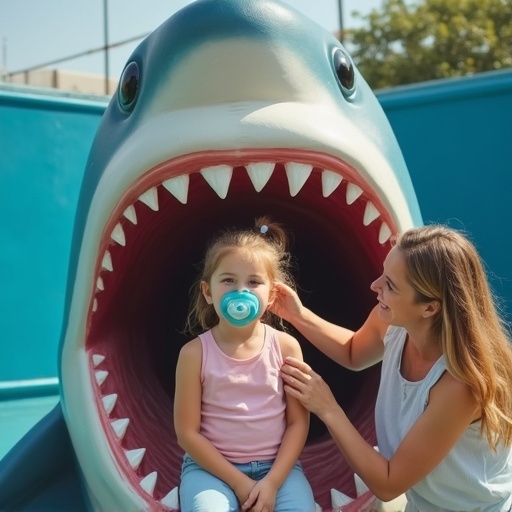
point(407, 42)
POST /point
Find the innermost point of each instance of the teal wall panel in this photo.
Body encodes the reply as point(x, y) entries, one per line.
point(456, 137)
point(44, 144)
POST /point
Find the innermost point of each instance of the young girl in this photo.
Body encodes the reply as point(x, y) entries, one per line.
point(241, 434)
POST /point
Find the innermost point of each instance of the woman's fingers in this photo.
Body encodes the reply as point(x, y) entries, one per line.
point(283, 288)
point(293, 382)
point(291, 391)
point(300, 365)
point(297, 369)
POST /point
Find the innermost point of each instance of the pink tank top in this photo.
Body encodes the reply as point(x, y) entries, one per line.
point(243, 403)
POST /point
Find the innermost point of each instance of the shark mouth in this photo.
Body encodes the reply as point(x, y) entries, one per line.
point(149, 254)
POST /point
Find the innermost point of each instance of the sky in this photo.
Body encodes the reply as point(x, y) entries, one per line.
point(35, 32)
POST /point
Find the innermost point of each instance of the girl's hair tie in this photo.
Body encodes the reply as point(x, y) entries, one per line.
point(263, 229)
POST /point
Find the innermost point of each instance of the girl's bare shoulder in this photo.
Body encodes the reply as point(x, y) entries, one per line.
point(191, 349)
point(290, 346)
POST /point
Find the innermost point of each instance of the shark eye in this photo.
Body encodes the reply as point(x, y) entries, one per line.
point(345, 71)
point(129, 86)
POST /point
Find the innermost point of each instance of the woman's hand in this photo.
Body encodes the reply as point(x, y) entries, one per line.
point(285, 302)
point(303, 383)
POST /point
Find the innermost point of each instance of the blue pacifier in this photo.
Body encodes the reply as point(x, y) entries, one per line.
point(240, 308)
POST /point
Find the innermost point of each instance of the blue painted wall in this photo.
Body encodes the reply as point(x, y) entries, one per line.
point(44, 144)
point(456, 136)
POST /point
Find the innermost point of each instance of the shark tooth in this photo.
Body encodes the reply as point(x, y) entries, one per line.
point(330, 182)
point(100, 285)
point(260, 173)
point(120, 426)
point(353, 192)
point(135, 457)
point(384, 233)
point(361, 487)
point(150, 198)
point(338, 499)
point(97, 359)
point(130, 214)
point(118, 235)
point(95, 305)
point(219, 178)
point(100, 376)
point(178, 187)
point(171, 499)
point(297, 175)
point(109, 401)
point(106, 263)
point(370, 213)
point(148, 482)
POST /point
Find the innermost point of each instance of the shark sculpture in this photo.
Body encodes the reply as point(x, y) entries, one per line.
point(229, 110)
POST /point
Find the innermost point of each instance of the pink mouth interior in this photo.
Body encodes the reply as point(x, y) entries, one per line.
point(141, 311)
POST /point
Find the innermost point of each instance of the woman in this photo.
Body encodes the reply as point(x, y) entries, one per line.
point(444, 408)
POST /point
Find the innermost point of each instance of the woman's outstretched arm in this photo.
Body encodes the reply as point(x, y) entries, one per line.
point(353, 350)
point(451, 409)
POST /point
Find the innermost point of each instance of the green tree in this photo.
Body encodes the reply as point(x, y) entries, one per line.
point(405, 42)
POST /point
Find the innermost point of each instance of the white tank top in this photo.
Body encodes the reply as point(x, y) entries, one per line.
point(471, 477)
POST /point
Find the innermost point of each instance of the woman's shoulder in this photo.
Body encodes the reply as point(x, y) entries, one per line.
point(451, 393)
point(453, 386)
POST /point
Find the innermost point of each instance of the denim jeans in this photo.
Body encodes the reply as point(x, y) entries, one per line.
point(200, 491)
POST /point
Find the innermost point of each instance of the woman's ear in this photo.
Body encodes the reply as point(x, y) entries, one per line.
point(431, 308)
point(205, 289)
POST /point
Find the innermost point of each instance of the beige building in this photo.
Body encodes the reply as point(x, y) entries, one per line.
point(69, 81)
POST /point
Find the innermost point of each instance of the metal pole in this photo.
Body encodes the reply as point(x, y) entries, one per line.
point(340, 13)
point(4, 59)
point(105, 27)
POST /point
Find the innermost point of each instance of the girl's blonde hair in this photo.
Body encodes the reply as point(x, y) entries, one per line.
point(443, 265)
point(267, 242)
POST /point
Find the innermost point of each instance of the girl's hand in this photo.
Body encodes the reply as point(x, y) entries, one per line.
point(303, 383)
point(262, 497)
point(285, 302)
point(243, 490)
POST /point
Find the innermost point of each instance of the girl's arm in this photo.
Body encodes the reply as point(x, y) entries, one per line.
point(187, 422)
point(451, 409)
point(353, 350)
point(297, 421)
point(294, 439)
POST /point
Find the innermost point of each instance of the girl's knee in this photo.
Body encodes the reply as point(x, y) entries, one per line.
point(208, 501)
